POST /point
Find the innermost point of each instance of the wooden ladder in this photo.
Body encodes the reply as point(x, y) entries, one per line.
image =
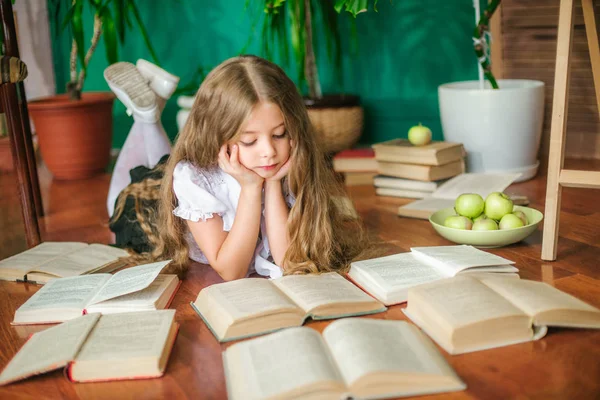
point(558, 177)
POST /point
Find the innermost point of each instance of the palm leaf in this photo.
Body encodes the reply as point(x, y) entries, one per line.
point(138, 19)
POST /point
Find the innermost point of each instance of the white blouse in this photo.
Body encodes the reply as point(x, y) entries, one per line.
point(201, 193)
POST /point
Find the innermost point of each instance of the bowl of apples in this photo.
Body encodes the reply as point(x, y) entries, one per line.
point(493, 222)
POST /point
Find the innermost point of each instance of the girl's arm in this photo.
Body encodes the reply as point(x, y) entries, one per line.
point(276, 215)
point(230, 253)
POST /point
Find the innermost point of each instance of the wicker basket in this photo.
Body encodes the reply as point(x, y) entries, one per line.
point(337, 128)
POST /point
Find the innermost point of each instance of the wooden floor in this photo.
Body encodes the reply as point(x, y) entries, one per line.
point(565, 364)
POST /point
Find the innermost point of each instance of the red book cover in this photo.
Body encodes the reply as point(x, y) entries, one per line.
point(365, 152)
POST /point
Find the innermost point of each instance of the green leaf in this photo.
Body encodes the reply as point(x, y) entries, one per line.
point(120, 13)
point(138, 19)
point(109, 33)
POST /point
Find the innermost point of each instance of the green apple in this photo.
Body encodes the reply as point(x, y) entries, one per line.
point(497, 205)
point(510, 221)
point(485, 224)
point(419, 135)
point(482, 216)
point(469, 205)
point(521, 216)
point(458, 222)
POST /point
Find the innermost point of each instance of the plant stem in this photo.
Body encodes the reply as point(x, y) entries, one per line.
point(478, 36)
point(90, 52)
point(310, 65)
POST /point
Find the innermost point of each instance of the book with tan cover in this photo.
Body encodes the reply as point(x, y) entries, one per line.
point(358, 358)
point(389, 278)
point(50, 260)
point(426, 173)
point(137, 288)
point(465, 314)
point(434, 153)
point(254, 306)
point(99, 348)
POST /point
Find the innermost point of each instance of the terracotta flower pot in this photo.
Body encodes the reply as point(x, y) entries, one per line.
point(6, 163)
point(75, 137)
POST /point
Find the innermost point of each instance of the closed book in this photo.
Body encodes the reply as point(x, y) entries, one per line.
point(434, 153)
point(407, 184)
point(358, 178)
point(355, 160)
point(426, 173)
point(404, 193)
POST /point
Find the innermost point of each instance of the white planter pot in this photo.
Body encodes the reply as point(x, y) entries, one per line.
point(500, 129)
point(185, 103)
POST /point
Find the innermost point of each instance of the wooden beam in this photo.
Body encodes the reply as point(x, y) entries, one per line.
point(497, 47)
point(579, 179)
point(594, 47)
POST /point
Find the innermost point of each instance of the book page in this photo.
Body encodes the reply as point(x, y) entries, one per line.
point(40, 254)
point(362, 346)
point(277, 364)
point(245, 297)
point(310, 291)
point(398, 271)
point(430, 204)
point(482, 184)
point(50, 349)
point(453, 259)
point(128, 336)
point(81, 261)
point(462, 301)
point(129, 280)
point(536, 297)
point(145, 297)
point(74, 292)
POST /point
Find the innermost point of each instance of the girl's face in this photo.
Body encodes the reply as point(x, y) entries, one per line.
point(264, 144)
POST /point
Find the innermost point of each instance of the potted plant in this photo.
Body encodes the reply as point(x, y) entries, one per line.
point(75, 129)
point(498, 122)
point(337, 118)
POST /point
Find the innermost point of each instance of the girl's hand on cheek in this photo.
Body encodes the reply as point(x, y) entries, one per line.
point(231, 164)
point(283, 171)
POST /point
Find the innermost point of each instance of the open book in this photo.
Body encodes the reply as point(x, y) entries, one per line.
point(60, 259)
point(133, 289)
point(389, 278)
point(465, 314)
point(249, 307)
point(446, 194)
point(99, 348)
point(358, 358)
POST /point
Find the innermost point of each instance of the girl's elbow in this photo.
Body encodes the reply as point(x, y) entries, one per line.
point(230, 274)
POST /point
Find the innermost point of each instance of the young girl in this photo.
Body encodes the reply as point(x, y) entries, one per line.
point(246, 187)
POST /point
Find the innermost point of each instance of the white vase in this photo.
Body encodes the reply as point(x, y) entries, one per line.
point(185, 103)
point(500, 129)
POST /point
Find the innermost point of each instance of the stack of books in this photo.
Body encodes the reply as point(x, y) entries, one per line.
point(405, 170)
point(358, 166)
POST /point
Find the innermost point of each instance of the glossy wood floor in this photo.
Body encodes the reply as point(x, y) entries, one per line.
point(563, 365)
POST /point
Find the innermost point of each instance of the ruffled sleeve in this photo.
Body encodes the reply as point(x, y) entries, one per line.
point(196, 198)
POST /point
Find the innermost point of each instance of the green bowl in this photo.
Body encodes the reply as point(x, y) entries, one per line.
point(485, 238)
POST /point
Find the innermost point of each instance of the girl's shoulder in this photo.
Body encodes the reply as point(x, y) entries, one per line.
point(209, 177)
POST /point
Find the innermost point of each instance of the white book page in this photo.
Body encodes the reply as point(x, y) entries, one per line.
point(74, 292)
point(397, 271)
point(462, 301)
point(127, 336)
point(310, 291)
point(252, 296)
point(362, 346)
point(50, 349)
point(536, 297)
point(141, 298)
point(430, 204)
point(453, 259)
point(129, 280)
point(277, 364)
point(40, 254)
point(81, 261)
point(482, 184)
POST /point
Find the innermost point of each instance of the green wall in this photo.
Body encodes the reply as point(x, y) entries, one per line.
point(400, 56)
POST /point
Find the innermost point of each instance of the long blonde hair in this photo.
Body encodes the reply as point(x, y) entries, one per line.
point(322, 237)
